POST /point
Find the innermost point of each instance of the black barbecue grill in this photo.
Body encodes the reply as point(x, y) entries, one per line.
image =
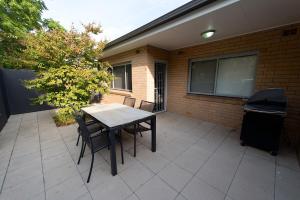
point(263, 119)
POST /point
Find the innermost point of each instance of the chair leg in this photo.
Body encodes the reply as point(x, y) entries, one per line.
point(80, 155)
point(78, 140)
point(134, 145)
point(83, 150)
point(78, 137)
point(91, 168)
point(121, 145)
point(141, 134)
point(108, 141)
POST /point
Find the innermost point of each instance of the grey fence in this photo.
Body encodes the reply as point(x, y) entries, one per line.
point(3, 105)
point(16, 99)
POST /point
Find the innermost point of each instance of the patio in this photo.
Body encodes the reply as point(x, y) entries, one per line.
point(194, 160)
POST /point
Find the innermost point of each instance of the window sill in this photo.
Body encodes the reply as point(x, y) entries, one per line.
point(121, 92)
point(217, 99)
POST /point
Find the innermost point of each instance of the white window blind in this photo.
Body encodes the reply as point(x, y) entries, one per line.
point(203, 76)
point(231, 76)
point(236, 76)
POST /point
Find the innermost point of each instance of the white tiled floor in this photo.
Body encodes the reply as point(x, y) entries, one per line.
point(194, 160)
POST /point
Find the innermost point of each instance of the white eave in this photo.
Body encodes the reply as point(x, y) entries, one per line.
point(228, 17)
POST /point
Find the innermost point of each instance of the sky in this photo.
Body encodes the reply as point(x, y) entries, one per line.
point(116, 17)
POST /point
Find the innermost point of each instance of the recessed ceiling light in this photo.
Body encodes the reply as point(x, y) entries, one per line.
point(208, 34)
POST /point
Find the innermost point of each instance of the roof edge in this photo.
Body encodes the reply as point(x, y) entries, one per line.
point(174, 14)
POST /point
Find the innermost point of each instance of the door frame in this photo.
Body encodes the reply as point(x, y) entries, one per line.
point(166, 83)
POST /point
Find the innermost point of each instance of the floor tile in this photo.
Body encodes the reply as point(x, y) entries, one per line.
point(54, 151)
point(24, 161)
point(287, 157)
point(129, 160)
point(85, 162)
point(152, 160)
point(100, 175)
point(23, 175)
point(50, 163)
point(287, 184)
point(86, 196)
point(192, 159)
point(171, 150)
point(213, 139)
point(132, 197)
point(220, 169)
point(199, 190)
point(136, 175)
point(180, 197)
point(228, 198)
point(2, 175)
point(175, 176)
point(251, 151)
point(156, 189)
point(71, 188)
point(254, 180)
point(27, 190)
point(59, 174)
point(115, 189)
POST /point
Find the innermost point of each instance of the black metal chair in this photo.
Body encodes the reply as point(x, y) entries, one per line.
point(129, 101)
point(91, 123)
point(141, 127)
point(95, 140)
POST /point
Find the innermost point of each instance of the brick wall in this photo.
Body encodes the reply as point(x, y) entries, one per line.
point(278, 66)
point(154, 54)
point(140, 75)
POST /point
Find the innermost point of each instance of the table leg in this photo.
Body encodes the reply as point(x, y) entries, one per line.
point(112, 147)
point(153, 133)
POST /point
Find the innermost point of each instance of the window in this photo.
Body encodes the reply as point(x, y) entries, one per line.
point(229, 76)
point(122, 77)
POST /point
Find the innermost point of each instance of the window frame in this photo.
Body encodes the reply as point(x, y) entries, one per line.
point(217, 58)
point(126, 83)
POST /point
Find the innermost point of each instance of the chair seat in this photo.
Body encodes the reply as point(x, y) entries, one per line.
point(139, 128)
point(94, 127)
point(100, 140)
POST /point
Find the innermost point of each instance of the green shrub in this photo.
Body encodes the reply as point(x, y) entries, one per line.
point(63, 119)
point(69, 70)
point(69, 88)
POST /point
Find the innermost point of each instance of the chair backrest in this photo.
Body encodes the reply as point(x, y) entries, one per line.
point(129, 101)
point(147, 106)
point(82, 127)
point(95, 98)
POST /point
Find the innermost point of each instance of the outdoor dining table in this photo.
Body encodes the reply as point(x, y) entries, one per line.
point(114, 117)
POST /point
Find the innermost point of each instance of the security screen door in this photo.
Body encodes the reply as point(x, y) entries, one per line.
point(160, 86)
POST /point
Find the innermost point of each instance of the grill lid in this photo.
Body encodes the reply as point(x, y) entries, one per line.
point(268, 101)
